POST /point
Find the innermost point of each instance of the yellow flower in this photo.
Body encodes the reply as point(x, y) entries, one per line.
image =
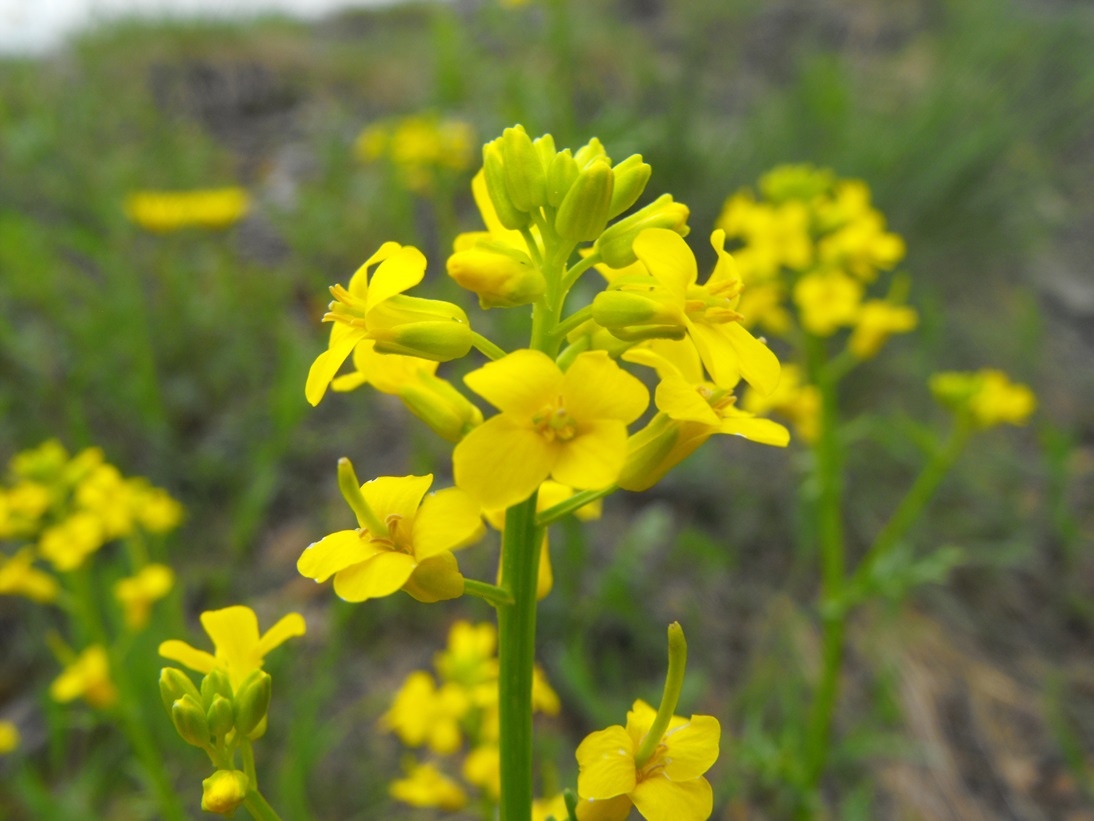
point(106, 494)
point(862, 247)
point(375, 308)
point(172, 210)
point(138, 593)
point(44, 463)
point(793, 399)
point(988, 396)
point(22, 507)
point(482, 767)
point(544, 808)
point(422, 713)
point(9, 737)
point(413, 554)
point(87, 677)
point(154, 508)
point(418, 146)
point(713, 323)
point(876, 322)
point(668, 787)
point(469, 659)
point(572, 426)
point(763, 305)
point(224, 791)
point(239, 650)
point(19, 577)
point(827, 300)
point(67, 544)
point(426, 786)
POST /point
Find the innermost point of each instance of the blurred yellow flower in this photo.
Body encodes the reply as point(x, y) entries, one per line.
point(422, 713)
point(224, 791)
point(482, 768)
point(21, 508)
point(793, 399)
point(670, 785)
point(544, 808)
point(469, 659)
point(419, 147)
point(827, 300)
point(426, 786)
point(877, 320)
point(87, 677)
point(19, 577)
point(138, 593)
point(155, 509)
point(9, 737)
point(164, 211)
point(987, 396)
point(67, 544)
point(106, 494)
point(572, 426)
point(239, 650)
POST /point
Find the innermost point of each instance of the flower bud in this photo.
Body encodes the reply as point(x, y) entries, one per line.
point(219, 716)
point(616, 244)
point(215, 683)
point(584, 211)
point(657, 448)
point(493, 168)
point(174, 684)
point(437, 341)
point(561, 174)
point(449, 413)
point(633, 310)
point(592, 149)
point(545, 147)
point(631, 177)
point(503, 277)
point(224, 791)
point(252, 702)
point(525, 178)
point(190, 722)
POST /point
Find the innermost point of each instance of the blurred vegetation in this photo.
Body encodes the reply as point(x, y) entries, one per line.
point(184, 357)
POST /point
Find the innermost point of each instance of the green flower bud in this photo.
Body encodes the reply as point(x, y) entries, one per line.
point(174, 684)
point(252, 702)
point(190, 722)
point(219, 716)
point(545, 147)
point(493, 168)
point(561, 174)
point(584, 211)
point(631, 177)
point(616, 244)
point(439, 341)
point(588, 152)
point(503, 277)
point(449, 413)
point(635, 315)
point(224, 791)
point(215, 683)
point(525, 178)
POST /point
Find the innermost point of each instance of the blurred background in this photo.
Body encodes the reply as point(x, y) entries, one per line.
point(183, 355)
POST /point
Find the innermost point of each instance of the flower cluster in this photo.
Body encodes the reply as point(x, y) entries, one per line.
point(165, 211)
point(456, 713)
point(420, 147)
point(986, 398)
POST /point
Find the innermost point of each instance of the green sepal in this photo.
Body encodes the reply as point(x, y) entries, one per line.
point(188, 716)
point(252, 702)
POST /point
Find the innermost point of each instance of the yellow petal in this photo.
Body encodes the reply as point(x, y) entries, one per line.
point(437, 578)
point(595, 387)
point(763, 431)
point(520, 383)
point(234, 631)
point(447, 520)
point(285, 628)
point(380, 576)
point(718, 355)
point(188, 656)
point(606, 761)
point(326, 365)
point(502, 461)
point(613, 809)
point(335, 552)
point(757, 363)
point(639, 720)
point(680, 400)
point(358, 283)
point(594, 458)
point(546, 578)
point(396, 495)
point(659, 799)
point(668, 258)
point(401, 271)
point(692, 748)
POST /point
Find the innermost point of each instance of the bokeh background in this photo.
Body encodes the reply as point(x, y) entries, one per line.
point(184, 356)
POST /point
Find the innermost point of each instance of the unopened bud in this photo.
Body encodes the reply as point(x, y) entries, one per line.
point(525, 178)
point(252, 702)
point(616, 244)
point(449, 413)
point(584, 211)
point(437, 341)
point(174, 684)
point(545, 147)
point(219, 716)
point(188, 716)
point(633, 312)
point(657, 448)
point(502, 277)
point(224, 791)
point(631, 177)
point(592, 149)
point(560, 176)
point(493, 168)
point(215, 683)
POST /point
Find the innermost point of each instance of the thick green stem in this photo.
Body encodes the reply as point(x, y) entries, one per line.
point(259, 807)
point(516, 657)
point(487, 592)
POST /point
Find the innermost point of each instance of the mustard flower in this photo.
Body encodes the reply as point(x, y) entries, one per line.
point(22, 507)
point(424, 714)
point(482, 768)
point(19, 577)
point(426, 786)
point(105, 493)
point(238, 648)
point(413, 552)
point(713, 325)
point(668, 787)
point(775, 236)
point(987, 396)
point(571, 426)
point(139, 592)
point(877, 320)
point(418, 147)
point(163, 211)
point(87, 677)
point(9, 737)
point(827, 300)
point(544, 808)
point(154, 508)
point(794, 399)
point(224, 791)
point(67, 544)
point(375, 308)
point(470, 657)
point(862, 247)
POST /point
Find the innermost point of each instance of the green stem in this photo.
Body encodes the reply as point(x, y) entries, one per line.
point(533, 246)
point(487, 592)
point(572, 321)
point(516, 657)
point(248, 753)
point(486, 347)
point(574, 273)
point(575, 502)
point(259, 807)
point(674, 683)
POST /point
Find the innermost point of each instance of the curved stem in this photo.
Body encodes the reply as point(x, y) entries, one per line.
point(575, 502)
point(572, 321)
point(573, 274)
point(486, 347)
point(674, 683)
point(487, 592)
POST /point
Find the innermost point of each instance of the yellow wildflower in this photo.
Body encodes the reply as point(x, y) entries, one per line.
point(104, 493)
point(171, 210)
point(19, 577)
point(987, 396)
point(469, 659)
point(44, 463)
point(422, 713)
point(224, 791)
point(21, 508)
point(71, 541)
point(88, 676)
point(876, 322)
point(239, 650)
point(155, 509)
point(572, 426)
point(414, 552)
point(138, 593)
point(544, 808)
point(862, 247)
point(418, 147)
point(793, 399)
point(827, 300)
point(670, 785)
point(9, 737)
point(482, 768)
point(426, 786)
point(763, 306)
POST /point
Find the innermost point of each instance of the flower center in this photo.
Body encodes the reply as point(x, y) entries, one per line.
point(719, 400)
point(712, 304)
point(654, 765)
point(553, 422)
point(345, 308)
point(396, 539)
